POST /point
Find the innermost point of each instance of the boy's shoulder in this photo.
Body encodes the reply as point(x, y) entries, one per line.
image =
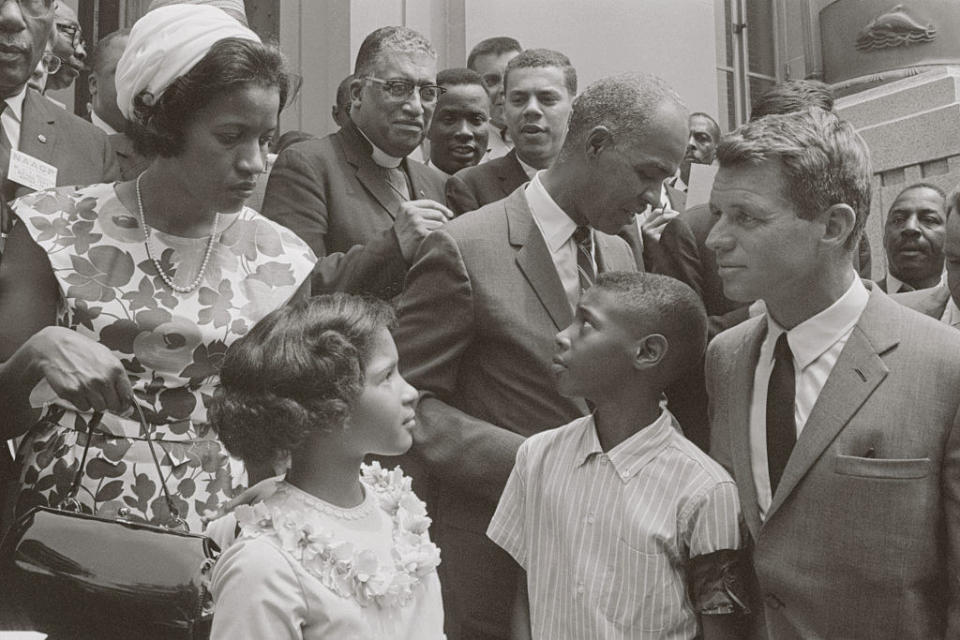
point(695, 457)
point(555, 441)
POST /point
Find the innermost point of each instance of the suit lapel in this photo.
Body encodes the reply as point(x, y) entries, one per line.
point(357, 153)
point(534, 260)
point(511, 174)
point(738, 397)
point(38, 131)
point(417, 179)
point(855, 376)
point(612, 255)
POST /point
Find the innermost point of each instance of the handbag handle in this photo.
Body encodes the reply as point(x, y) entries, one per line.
point(70, 502)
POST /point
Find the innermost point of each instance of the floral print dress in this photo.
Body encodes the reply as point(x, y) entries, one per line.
point(170, 343)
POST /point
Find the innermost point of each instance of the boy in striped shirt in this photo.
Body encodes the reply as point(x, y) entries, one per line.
point(625, 528)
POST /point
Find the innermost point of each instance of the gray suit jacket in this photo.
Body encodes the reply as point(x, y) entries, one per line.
point(473, 187)
point(330, 193)
point(862, 539)
point(482, 305)
point(80, 152)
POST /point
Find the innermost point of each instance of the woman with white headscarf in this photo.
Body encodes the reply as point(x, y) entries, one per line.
point(115, 294)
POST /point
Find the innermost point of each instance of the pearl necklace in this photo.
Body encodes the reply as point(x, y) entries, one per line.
point(167, 280)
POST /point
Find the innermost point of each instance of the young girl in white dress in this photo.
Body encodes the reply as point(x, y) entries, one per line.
point(340, 549)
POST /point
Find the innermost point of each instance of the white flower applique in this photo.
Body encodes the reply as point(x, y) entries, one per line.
point(336, 563)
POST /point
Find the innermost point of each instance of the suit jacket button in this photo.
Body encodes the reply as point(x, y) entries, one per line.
point(773, 601)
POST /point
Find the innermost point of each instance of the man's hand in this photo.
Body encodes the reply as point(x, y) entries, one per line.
point(656, 221)
point(416, 219)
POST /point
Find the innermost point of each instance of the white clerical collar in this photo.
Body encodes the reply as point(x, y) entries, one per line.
point(380, 157)
point(812, 337)
point(15, 104)
point(102, 124)
point(554, 223)
point(894, 283)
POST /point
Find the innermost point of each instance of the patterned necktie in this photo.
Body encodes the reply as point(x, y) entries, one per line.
point(781, 423)
point(8, 188)
point(585, 267)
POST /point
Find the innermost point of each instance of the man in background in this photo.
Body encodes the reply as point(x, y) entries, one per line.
point(355, 196)
point(539, 85)
point(701, 145)
point(340, 111)
point(67, 44)
point(913, 236)
point(458, 132)
point(489, 58)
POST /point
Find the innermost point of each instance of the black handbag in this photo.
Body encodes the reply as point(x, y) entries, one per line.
point(74, 575)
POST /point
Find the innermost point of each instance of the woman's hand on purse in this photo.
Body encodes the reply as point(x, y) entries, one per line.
point(81, 371)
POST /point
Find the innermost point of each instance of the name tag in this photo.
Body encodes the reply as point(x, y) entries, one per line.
point(31, 172)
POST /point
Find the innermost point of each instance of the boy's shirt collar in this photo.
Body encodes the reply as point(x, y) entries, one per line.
point(631, 455)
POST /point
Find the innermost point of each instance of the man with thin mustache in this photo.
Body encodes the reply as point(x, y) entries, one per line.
point(355, 196)
point(913, 239)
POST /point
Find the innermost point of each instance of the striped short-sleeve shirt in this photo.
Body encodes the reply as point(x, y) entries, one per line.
point(605, 538)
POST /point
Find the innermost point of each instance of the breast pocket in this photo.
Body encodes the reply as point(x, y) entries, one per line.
point(890, 468)
point(641, 590)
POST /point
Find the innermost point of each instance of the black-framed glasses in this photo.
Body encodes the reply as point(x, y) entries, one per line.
point(34, 8)
point(402, 89)
point(73, 32)
point(51, 62)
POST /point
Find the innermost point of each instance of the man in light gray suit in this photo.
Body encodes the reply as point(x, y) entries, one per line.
point(483, 302)
point(838, 411)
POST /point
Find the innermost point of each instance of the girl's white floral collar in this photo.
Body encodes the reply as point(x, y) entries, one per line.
point(347, 571)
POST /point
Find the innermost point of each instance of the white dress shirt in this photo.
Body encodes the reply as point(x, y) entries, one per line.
point(816, 344)
point(894, 283)
point(557, 229)
point(12, 118)
point(951, 314)
point(101, 124)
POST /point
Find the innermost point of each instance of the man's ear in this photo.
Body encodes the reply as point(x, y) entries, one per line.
point(92, 84)
point(597, 140)
point(839, 222)
point(356, 88)
point(649, 351)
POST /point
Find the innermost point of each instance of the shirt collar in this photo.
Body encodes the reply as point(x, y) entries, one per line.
point(951, 313)
point(15, 103)
point(631, 455)
point(554, 223)
point(812, 337)
point(380, 157)
point(894, 283)
point(101, 124)
point(527, 169)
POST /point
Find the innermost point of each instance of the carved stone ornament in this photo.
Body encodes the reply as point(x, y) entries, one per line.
point(895, 28)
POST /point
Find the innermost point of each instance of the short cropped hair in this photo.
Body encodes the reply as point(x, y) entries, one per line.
point(713, 123)
point(793, 96)
point(231, 63)
point(458, 76)
point(659, 304)
point(623, 104)
point(297, 372)
point(402, 40)
point(823, 159)
point(495, 46)
point(98, 58)
point(922, 185)
point(536, 58)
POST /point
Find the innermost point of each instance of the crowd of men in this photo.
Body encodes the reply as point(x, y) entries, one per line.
point(853, 510)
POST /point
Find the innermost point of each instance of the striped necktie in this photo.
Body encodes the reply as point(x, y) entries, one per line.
point(583, 238)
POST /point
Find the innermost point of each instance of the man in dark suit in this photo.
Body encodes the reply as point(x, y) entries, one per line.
point(503, 281)
point(539, 86)
point(913, 236)
point(837, 411)
point(354, 196)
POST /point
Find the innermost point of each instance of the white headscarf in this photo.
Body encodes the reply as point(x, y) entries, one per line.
point(233, 7)
point(165, 44)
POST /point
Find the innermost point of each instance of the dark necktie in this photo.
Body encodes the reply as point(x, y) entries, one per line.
point(781, 423)
point(904, 287)
point(7, 188)
point(584, 241)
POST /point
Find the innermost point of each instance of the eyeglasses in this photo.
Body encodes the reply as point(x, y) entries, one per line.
point(34, 8)
point(73, 32)
point(51, 63)
point(402, 89)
